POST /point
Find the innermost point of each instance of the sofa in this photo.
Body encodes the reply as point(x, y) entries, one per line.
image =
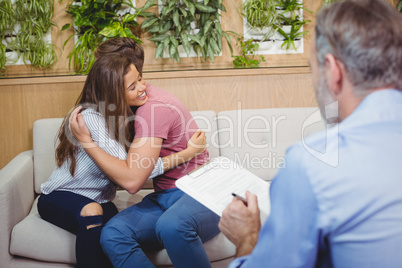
point(256, 139)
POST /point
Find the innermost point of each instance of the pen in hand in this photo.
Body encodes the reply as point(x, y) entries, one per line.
point(240, 198)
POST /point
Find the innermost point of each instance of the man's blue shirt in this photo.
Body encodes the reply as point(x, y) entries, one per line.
point(343, 215)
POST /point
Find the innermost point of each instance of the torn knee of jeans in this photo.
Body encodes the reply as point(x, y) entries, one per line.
point(92, 221)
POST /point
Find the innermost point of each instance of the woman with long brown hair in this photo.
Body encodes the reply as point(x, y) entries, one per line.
point(78, 195)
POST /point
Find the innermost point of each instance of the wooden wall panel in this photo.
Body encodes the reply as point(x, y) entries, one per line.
point(24, 103)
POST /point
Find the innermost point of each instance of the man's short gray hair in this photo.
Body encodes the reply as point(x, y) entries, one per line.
point(366, 36)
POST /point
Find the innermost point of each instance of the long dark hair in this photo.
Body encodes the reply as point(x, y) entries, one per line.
point(103, 91)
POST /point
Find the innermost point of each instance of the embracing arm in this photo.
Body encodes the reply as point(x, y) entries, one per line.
point(132, 173)
point(195, 146)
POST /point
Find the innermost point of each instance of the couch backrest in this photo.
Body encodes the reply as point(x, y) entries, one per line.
point(257, 138)
point(45, 141)
point(44, 145)
point(207, 121)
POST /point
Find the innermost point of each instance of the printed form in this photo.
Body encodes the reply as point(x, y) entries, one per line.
point(213, 184)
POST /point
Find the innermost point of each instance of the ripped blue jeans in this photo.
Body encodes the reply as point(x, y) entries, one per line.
point(63, 209)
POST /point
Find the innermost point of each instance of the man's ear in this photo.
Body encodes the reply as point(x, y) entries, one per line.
point(333, 74)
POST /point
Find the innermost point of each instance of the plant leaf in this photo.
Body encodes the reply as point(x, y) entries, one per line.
point(190, 7)
point(66, 26)
point(111, 31)
point(147, 5)
point(159, 38)
point(148, 22)
point(167, 26)
point(186, 45)
point(183, 11)
point(177, 57)
point(172, 51)
point(214, 45)
point(174, 41)
point(176, 19)
point(206, 9)
point(195, 38)
point(227, 37)
point(166, 43)
point(159, 51)
point(129, 18)
point(207, 26)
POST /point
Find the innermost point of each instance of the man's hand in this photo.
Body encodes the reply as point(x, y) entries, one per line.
point(241, 224)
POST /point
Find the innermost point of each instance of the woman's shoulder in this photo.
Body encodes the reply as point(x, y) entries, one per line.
point(91, 116)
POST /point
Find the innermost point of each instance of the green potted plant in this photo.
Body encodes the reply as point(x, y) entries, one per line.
point(259, 19)
point(248, 57)
point(260, 15)
point(96, 21)
point(291, 8)
point(292, 38)
point(25, 33)
point(399, 6)
point(190, 25)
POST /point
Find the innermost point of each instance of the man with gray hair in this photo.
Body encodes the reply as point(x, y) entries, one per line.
point(348, 214)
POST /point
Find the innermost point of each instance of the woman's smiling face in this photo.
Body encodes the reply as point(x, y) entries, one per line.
point(135, 88)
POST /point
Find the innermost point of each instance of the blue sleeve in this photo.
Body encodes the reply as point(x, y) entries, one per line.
point(289, 237)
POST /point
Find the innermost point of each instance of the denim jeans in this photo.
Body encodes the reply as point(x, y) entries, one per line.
point(63, 209)
point(166, 219)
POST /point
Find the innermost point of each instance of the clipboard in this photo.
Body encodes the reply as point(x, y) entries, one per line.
point(213, 183)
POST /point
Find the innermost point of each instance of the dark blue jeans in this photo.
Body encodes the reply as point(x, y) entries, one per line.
point(166, 219)
point(63, 209)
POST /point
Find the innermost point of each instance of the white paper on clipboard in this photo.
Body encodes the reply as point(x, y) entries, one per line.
point(213, 184)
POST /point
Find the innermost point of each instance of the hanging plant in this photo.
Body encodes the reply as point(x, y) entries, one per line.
point(24, 25)
point(295, 33)
point(195, 25)
point(94, 22)
point(291, 7)
point(260, 15)
point(248, 57)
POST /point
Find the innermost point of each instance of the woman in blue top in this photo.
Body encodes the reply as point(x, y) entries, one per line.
point(78, 195)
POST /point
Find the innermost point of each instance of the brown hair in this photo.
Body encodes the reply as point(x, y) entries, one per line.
point(125, 46)
point(103, 91)
point(366, 36)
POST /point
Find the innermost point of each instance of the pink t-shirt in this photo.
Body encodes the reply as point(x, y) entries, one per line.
point(165, 116)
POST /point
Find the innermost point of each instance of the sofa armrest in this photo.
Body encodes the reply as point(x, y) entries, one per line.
point(16, 197)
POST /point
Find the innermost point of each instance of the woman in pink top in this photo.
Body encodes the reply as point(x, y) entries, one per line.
point(167, 218)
